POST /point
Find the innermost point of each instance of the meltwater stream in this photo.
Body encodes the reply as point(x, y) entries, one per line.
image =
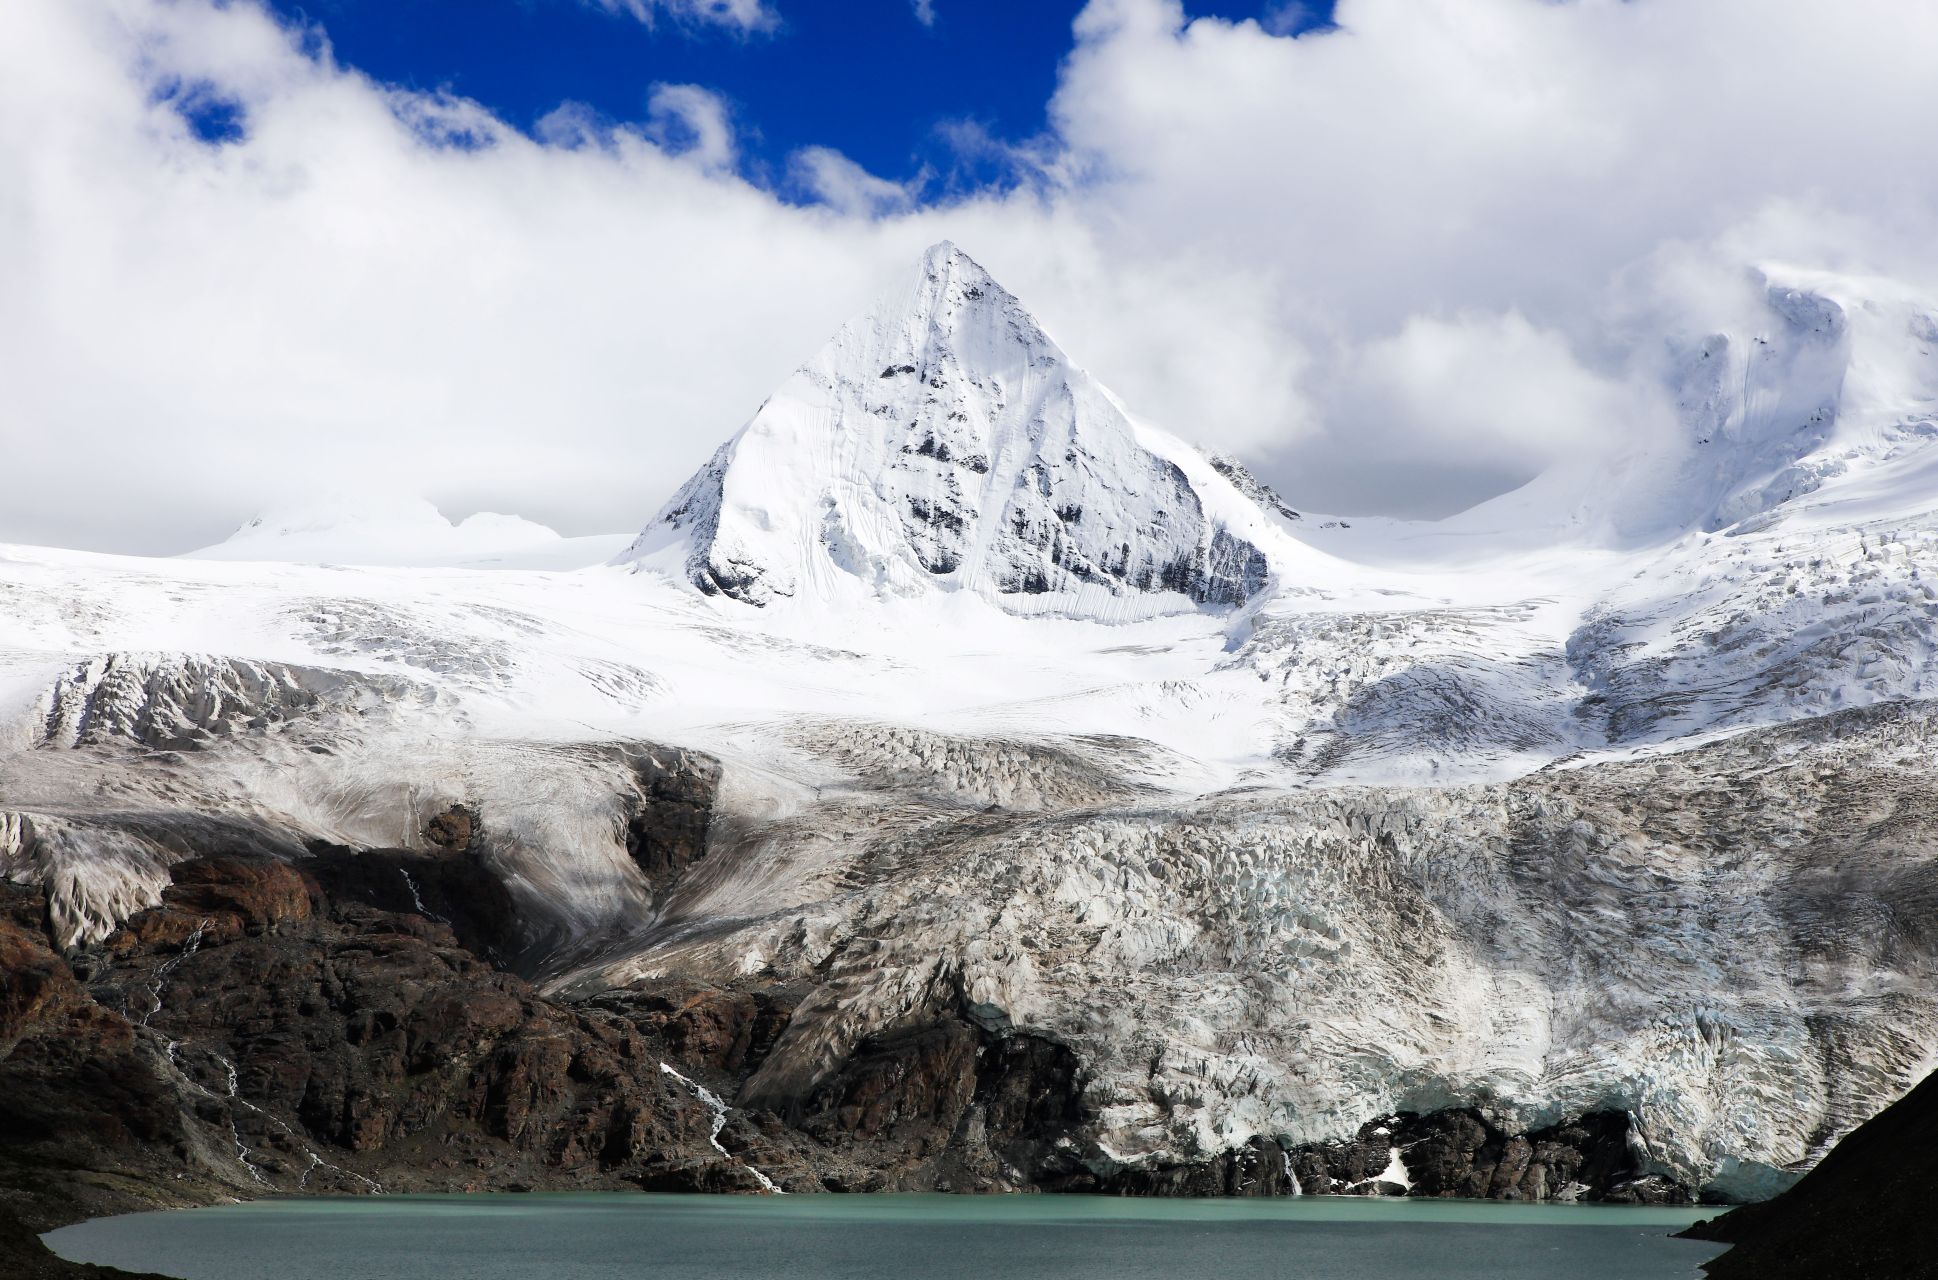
point(605, 1237)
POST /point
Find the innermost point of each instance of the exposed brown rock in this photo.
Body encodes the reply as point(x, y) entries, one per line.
point(730, 1032)
point(1256, 1169)
point(240, 895)
point(455, 829)
point(1460, 1154)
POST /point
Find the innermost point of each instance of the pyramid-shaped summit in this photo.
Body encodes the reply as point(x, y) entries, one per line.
point(943, 442)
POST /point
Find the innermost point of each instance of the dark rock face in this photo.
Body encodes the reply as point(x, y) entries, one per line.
point(1459, 1154)
point(1029, 1090)
point(257, 1033)
point(911, 1081)
point(1452, 1154)
point(719, 1032)
point(949, 1106)
point(73, 1072)
point(323, 1026)
point(1259, 1168)
point(457, 892)
point(667, 832)
point(1868, 1211)
point(454, 830)
point(77, 1093)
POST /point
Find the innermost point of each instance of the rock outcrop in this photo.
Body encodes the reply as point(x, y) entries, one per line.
point(1460, 1154)
point(1868, 1211)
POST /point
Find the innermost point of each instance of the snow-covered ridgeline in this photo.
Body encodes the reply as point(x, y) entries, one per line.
point(366, 530)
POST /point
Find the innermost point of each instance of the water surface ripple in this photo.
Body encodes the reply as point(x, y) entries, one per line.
point(606, 1237)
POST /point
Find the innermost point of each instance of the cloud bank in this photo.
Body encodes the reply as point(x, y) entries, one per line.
point(1399, 265)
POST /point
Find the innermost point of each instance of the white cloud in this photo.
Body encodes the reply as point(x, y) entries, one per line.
point(1435, 386)
point(924, 11)
point(686, 119)
point(1486, 157)
point(1286, 17)
point(1393, 262)
point(744, 16)
point(846, 187)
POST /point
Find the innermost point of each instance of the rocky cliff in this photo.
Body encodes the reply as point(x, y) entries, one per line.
point(972, 963)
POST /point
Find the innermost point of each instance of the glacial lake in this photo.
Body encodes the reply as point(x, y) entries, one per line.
point(913, 1237)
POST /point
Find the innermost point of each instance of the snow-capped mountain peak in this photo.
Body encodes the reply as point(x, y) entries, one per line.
point(942, 441)
point(401, 530)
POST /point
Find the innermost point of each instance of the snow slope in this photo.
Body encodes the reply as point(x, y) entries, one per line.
point(1613, 792)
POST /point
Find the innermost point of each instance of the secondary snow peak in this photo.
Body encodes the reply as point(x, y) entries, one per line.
point(367, 529)
point(942, 441)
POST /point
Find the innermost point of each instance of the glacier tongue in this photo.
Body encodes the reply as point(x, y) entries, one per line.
point(944, 441)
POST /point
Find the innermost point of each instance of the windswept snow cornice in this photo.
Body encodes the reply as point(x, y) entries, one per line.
point(943, 442)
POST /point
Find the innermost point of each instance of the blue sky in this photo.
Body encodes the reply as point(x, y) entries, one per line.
point(865, 77)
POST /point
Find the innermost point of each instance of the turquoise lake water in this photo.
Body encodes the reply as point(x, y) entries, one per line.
point(607, 1237)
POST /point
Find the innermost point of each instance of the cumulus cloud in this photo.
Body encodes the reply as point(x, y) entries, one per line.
point(1397, 264)
point(1497, 165)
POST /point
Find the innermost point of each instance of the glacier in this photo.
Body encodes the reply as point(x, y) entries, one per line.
point(1611, 795)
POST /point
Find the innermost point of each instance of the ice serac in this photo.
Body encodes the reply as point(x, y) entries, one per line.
point(943, 441)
